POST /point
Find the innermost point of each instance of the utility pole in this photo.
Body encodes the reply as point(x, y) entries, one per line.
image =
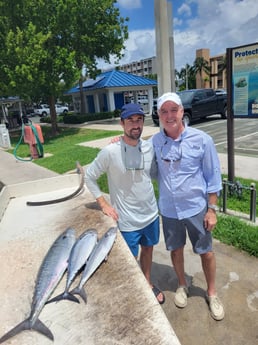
point(164, 46)
point(186, 76)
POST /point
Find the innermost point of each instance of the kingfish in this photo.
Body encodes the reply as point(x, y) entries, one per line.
point(79, 255)
point(50, 273)
point(98, 255)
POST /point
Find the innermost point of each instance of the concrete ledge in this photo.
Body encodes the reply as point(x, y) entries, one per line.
point(59, 182)
point(121, 307)
point(4, 201)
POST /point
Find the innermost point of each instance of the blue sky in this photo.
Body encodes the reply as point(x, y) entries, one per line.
point(212, 24)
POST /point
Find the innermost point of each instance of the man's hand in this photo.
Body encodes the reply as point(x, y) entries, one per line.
point(210, 220)
point(106, 208)
point(115, 140)
point(110, 211)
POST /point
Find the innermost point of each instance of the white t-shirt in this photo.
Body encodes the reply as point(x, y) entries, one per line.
point(131, 190)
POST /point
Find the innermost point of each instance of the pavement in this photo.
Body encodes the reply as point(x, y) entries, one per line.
point(237, 274)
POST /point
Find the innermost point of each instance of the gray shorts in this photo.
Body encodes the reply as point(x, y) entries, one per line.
point(175, 233)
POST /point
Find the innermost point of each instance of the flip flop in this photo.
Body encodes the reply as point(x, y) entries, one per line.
point(156, 292)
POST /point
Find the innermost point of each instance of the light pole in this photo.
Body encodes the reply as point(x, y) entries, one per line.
point(186, 76)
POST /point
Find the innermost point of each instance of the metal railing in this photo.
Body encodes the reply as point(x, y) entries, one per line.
point(236, 189)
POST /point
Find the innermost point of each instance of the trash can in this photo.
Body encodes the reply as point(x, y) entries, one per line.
point(4, 137)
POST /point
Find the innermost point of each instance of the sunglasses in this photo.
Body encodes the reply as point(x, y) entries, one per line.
point(173, 155)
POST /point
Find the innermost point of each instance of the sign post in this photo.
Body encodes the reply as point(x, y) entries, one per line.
point(242, 90)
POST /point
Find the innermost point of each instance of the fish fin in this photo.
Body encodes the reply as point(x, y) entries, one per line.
point(65, 295)
point(81, 292)
point(26, 325)
point(43, 329)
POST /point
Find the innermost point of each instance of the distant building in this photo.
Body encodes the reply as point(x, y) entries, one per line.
point(142, 68)
point(146, 67)
point(217, 78)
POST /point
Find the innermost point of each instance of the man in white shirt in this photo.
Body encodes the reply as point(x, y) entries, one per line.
point(128, 164)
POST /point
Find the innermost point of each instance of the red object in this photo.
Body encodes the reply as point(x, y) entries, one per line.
point(29, 138)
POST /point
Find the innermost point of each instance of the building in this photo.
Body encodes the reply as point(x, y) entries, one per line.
point(143, 68)
point(110, 90)
point(217, 78)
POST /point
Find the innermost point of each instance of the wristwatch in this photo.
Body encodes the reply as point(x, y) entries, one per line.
point(213, 207)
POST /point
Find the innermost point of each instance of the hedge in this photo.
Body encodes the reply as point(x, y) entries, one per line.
point(75, 118)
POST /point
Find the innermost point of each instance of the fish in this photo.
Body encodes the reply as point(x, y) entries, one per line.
point(98, 255)
point(80, 253)
point(50, 273)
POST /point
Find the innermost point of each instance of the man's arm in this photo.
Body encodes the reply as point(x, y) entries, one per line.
point(92, 173)
point(210, 218)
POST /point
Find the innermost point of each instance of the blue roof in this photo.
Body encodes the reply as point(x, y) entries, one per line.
point(113, 78)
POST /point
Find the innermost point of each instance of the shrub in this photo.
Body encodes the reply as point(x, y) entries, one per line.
point(81, 118)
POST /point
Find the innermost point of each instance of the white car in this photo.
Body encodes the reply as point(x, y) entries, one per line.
point(44, 110)
point(61, 109)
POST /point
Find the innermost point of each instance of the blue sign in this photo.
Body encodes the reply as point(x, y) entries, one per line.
point(245, 81)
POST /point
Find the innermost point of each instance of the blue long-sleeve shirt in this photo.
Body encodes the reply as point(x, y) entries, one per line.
point(188, 170)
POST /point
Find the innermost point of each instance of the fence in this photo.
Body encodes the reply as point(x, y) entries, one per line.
point(237, 189)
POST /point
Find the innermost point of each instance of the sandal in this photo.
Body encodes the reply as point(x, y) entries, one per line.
point(156, 292)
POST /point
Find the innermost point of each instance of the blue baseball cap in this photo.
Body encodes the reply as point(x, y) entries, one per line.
point(131, 109)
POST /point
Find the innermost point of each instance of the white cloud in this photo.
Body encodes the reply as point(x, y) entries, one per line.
point(185, 10)
point(140, 45)
point(217, 25)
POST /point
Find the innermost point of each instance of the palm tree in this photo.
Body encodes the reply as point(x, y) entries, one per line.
point(201, 66)
point(186, 78)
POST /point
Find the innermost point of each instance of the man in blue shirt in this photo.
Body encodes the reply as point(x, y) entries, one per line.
point(189, 182)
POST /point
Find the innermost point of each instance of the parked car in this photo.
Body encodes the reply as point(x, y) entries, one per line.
point(220, 92)
point(201, 103)
point(61, 109)
point(44, 110)
point(198, 103)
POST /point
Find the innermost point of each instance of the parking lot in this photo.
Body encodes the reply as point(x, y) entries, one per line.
point(245, 133)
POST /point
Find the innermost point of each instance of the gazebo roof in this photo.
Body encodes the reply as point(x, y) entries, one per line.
point(112, 79)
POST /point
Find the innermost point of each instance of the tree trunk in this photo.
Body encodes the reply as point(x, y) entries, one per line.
point(82, 98)
point(53, 115)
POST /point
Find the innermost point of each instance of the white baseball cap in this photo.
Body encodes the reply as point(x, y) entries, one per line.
point(168, 96)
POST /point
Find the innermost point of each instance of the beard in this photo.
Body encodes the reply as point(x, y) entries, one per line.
point(134, 133)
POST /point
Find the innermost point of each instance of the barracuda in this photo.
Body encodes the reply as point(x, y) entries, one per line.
point(78, 257)
point(50, 273)
point(98, 255)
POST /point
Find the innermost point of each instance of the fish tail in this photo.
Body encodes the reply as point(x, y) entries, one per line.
point(65, 295)
point(26, 325)
point(79, 291)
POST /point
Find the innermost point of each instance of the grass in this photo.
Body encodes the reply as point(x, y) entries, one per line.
point(62, 152)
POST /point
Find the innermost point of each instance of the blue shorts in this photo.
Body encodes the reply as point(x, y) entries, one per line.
point(147, 237)
point(175, 233)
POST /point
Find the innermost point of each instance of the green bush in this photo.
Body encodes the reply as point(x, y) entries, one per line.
point(81, 118)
